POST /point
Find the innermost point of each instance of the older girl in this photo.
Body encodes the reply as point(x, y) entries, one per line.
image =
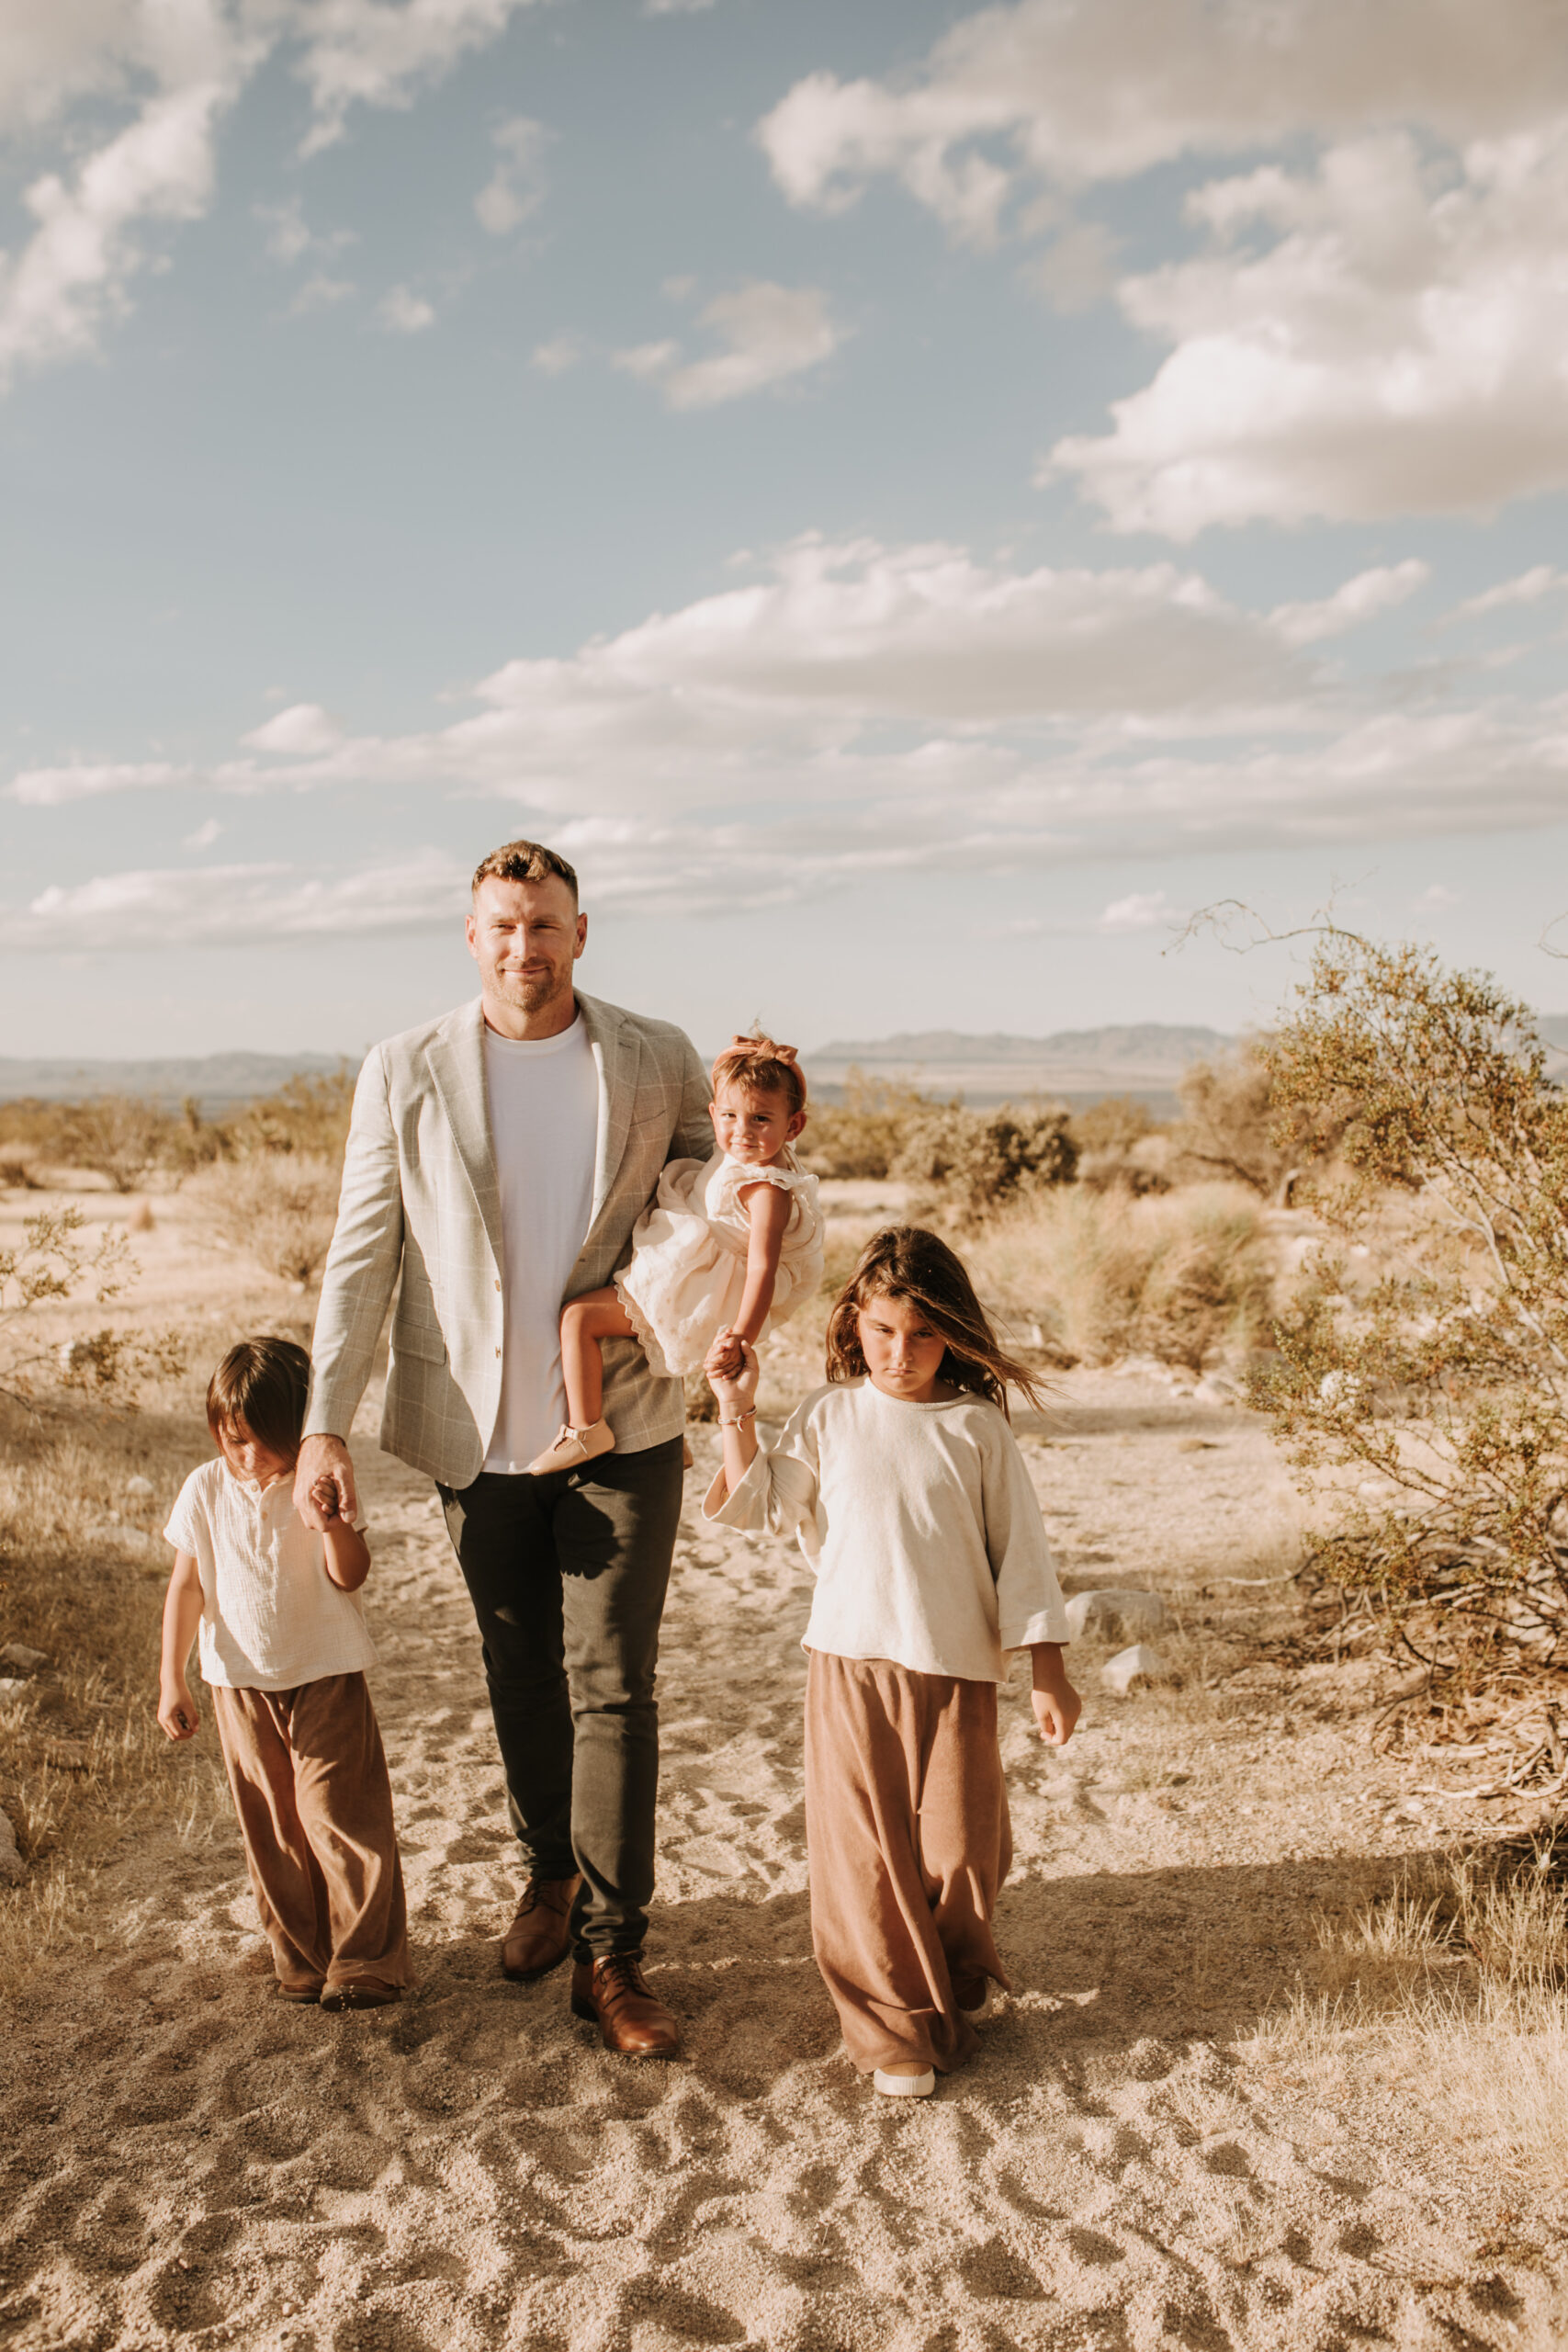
point(905, 1487)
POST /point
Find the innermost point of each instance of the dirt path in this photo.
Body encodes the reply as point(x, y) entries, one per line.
point(186, 2159)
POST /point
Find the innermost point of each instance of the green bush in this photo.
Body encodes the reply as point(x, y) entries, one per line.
point(971, 1162)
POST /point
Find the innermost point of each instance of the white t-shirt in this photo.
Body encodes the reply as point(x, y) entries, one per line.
point(271, 1616)
point(921, 1522)
point(544, 1122)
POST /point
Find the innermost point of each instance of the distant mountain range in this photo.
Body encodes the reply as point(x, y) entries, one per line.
point(1155, 1047)
point(216, 1082)
point(1144, 1060)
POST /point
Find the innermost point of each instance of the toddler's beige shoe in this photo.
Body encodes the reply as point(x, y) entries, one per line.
point(572, 1448)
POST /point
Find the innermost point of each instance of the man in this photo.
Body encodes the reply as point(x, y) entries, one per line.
point(497, 1161)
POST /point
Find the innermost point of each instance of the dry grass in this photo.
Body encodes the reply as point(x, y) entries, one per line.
point(82, 1568)
point(1449, 1992)
point(276, 1208)
point(1185, 1276)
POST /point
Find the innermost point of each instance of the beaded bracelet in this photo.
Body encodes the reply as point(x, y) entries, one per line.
point(749, 1415)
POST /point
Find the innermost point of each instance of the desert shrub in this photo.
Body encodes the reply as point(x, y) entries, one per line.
point(1235, 1124)
point(31, 1123)
point(1439, 1390)
point(1185, 1276)
point(117, 1136)
point(971, 1162)
point(18, 1175)
point(309, 1116)
point(861, 1135)
point(276, 1208)
point(1120, 1142)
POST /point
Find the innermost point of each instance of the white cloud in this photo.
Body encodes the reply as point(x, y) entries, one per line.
point(231, 905)
point(73, 274)
point(290, 239)
point(1395, 346)
point(769, 333)
point(179, 66)
point(401, 312)
point(1077, 269)
point(860, 710)
point(517, 187)
point(369, 52)
point(1075, 92)
point(321, 292)
point(87, 779)
point(553, 359)
point(1141, 911)
point(204, 835)
point(301, 732)
point(1527, 588)
point(1379, 329)
point(1361, 599)
point(1435, 900)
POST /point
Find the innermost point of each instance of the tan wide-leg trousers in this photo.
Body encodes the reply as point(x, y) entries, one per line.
point(309, 1777)
point(908, 1833)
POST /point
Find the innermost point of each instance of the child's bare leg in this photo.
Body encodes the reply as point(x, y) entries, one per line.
point(597, 1315)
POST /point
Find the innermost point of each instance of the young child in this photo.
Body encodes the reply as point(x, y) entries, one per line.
point(283, 1652)
point(910, 1496)
point(730, 1246)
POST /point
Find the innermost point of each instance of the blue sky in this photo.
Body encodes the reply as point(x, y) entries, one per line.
point(914, 500)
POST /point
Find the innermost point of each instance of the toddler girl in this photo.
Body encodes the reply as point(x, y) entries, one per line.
point(283, 1652)
point(910, 1499)
point(730, 1246)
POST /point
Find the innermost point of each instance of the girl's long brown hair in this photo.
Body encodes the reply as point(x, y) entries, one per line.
point(906, 1261)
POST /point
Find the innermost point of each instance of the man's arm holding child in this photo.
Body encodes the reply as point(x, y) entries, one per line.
point(181, 1615)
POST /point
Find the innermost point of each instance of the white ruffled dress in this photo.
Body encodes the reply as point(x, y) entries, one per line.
point(687, 1274)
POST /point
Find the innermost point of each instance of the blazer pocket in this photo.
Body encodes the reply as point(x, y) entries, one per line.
point(422, 1339)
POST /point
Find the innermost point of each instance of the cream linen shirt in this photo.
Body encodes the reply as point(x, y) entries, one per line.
point(271, 1616)
point(922, 1526)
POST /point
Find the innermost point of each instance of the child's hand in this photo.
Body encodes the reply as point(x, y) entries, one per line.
point(736, 1390)
point(1056, 1704)
point(177, 1712)
point(324, 1496)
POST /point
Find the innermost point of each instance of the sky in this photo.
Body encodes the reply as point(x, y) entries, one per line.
point(915, 502)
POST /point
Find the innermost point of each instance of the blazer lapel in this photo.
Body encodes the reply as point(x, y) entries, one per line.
point(456, 1059)
point(616, 1054)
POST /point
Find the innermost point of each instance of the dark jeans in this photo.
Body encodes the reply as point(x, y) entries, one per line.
point(567, 1576)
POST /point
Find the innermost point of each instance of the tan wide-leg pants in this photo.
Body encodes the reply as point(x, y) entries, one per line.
point(309, 1778)
point(908, 1833)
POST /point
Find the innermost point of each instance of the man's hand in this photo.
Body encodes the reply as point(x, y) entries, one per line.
point(1056, 1704)
point(324, 1462)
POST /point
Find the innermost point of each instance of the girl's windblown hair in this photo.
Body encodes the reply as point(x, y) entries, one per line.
point(906, 1261)
point(761, 1066)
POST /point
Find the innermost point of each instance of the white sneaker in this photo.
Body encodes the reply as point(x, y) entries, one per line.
point(905, 2085)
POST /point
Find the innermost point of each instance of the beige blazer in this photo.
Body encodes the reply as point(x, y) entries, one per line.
point(420, 1213)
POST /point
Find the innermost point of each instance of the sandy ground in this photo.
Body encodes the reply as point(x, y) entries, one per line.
point(1127, 2164)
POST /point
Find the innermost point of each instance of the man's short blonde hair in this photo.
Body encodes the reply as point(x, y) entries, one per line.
point(525, 861)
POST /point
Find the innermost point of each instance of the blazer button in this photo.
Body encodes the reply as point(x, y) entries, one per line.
point(497, 1283)
point(498, 1351)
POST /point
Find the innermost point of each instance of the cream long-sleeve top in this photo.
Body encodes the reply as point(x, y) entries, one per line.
point(921, 1522)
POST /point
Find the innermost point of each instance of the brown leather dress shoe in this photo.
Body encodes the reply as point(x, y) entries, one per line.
point(540, 1935)
point(613, 1995)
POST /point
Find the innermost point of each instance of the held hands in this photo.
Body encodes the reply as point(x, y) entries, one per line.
point(732, 1372)
point(177, 1713)
point(324, 1462)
